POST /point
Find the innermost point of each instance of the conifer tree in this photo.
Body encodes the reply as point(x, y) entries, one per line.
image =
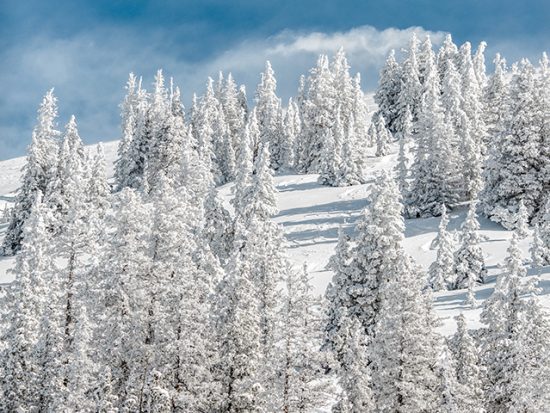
point(129, 113)
point(291, 125)
point(38, 171)
point(405, 346)
point(304, 385)
point(268, 107)
point(357, 288)
point(516, 161)
point(411, 89)
point(515, 335)
point(354, 372)
point(469, 373)
point(469, 261)
point(434, 178)
point(238, 329)
point(539, 254)
point(27, 299)
point(441, 271)
point(383, 137)
point(387, 94)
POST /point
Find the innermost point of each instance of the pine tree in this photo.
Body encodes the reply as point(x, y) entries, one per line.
point(238, 329)
point(539, 253)
point(475, 140)
point(383, 137)
point(129, 111)
point(441, 271)
point(304, 385)
point(411, 89)
point(496, 98)
point(515, 335)
point(350, 171)
point(132, 162)
point(336, 296)
point(291, 126)
point(332, 139)
point(469, 261)
point(267, 110)
point(522, 221)
point(405, 347)
point(354, 372)
point(433, 171)
point(389, 87)
point(357, 287)
point(38, 171)
point(244, 164)
point(218, 227)
point(318, 110)
point(27, 300)
point(258, 199)
point(234, 113)
point(124, 264)
point(469, 372)
point(516, 161)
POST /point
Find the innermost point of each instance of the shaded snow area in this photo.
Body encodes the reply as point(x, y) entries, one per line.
point(311, 215)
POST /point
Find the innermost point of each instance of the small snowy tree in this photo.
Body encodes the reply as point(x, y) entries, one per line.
point(469, 261)
point(441, 271)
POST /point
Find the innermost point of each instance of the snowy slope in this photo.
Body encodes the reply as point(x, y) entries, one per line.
point(311, 214)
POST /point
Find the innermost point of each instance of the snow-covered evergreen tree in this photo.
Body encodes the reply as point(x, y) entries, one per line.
point(305, 386)
point(515, 334)
point(411, 89)
point(441, 272)
point(389, 87)
point(469, 372)
point(354, 372)
point(383, 137)
point(268, 107)
point(434, 177)
point(21, 386)
point(405, 347)
point(469, 262)
point(357, 287)
point(516, 161)
point(539, 253)
point(38, 172)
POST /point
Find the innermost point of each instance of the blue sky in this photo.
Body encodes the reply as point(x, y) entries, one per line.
point(85, 49)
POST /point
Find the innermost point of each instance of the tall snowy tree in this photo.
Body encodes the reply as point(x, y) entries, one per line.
point(516, 334)
point(434, 178)
point(27, 299)
point(304, 386)
point(354, 372)
point(468, 370)
point(411, 89)
point(374, 260)
point(516, 161)
point(389, 87)
point(268, 111)
point(38, 171)
point(405, 347)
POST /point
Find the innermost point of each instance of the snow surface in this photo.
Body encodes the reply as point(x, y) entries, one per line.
point(311, 214)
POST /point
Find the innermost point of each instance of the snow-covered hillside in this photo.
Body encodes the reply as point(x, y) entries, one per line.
point(311, 215)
